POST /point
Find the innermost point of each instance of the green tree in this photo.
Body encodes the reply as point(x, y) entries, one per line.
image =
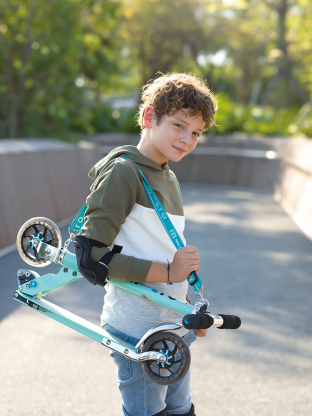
point(161, 35)
point(299, 38)
point(243, 30)
point(283, 83)
point(48, 51)
point(260, 39)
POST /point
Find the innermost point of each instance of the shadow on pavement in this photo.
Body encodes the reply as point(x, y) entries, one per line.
point(255, 263)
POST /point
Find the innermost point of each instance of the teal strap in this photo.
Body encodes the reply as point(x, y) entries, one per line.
point(78, 222)
point(193, 279)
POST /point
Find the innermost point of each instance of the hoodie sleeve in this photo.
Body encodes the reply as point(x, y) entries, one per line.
point(108, 206)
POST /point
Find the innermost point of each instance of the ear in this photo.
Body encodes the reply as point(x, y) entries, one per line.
point(148, 117)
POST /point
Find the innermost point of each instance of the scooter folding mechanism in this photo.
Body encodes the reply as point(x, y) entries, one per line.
point(164, 355)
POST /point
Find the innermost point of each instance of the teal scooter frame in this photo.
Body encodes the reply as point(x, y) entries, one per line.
point(46, 245)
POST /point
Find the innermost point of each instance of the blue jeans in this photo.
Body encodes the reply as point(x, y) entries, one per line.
point(140, 395)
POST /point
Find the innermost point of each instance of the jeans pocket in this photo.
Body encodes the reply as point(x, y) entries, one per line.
point(190, 337)
point(123, 365)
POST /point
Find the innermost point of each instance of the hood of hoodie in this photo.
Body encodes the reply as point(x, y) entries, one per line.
point(128, 152)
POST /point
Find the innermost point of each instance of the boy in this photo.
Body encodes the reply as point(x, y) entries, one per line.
point(175, 110)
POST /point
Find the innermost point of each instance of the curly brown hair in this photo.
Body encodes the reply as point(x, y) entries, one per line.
point(172, 92)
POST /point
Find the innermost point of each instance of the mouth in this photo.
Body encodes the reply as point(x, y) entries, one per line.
point(178, 149)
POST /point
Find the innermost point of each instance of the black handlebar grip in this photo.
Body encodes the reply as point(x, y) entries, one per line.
point(197, 321)
point(230, 322)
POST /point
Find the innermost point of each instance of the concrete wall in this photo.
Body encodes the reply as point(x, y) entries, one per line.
point(48, 178)
point(223, 160)
point(282, 166)
point(293, 186)
point(41, 178)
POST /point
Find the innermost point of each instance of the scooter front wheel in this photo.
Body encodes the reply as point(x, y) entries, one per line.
point(42, 229)
point(178, 358)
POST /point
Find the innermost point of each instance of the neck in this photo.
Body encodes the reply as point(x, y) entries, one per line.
point(146, 147)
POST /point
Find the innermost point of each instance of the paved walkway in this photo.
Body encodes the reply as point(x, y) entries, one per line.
point(255, 263)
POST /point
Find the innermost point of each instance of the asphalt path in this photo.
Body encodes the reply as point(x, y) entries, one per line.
point(256, 263)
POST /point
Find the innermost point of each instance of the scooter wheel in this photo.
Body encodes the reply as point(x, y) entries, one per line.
point(178, 358)
point(44, 230)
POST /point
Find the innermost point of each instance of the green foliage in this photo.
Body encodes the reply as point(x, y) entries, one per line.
point(229, 116)
point(51, 55)
point(268, 121)
point(105, 119)
point(302, 123)
point(232, 117)
point(60, 59)
point(160, 36)
point(300, 40)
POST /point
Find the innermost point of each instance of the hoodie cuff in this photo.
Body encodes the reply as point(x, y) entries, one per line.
point(139, 270)
point(122, 267)
point(127, 268)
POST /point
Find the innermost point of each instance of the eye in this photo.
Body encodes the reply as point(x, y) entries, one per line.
point(196, 134)
point(179, 125)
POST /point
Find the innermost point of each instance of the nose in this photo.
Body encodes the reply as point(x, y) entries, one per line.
point(186, 138)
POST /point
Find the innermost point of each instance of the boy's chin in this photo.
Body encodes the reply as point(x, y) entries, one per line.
point(176, 158)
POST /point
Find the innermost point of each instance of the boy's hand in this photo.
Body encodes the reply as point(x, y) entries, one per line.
point(200, 332)
point(185, 261)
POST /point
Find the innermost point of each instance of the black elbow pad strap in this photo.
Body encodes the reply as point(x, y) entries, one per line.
point(108, 257)
point(94, 271)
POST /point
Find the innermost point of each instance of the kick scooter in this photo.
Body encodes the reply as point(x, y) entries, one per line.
point(164, 355)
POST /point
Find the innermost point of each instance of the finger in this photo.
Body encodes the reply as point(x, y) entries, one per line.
point(193, 268)
point(193, 262)
point(189, 249)
point(193, 256)
point(200, 332)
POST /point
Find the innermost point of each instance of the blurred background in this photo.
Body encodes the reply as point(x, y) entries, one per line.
point(73, 70)
point(74, 67)
point(71, 73)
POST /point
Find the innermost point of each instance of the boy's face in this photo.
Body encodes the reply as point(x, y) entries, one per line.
point(173, 138)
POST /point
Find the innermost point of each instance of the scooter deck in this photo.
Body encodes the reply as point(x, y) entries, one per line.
point(71, 320)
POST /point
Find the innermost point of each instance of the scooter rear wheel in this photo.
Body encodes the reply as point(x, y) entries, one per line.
point(178, 358)
point(44, 230)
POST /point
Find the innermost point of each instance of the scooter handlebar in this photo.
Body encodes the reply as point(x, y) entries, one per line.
point(197, 321)
point(230, 322)
point(201, 320)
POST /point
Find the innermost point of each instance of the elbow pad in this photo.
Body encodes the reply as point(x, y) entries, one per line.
point(94, 271)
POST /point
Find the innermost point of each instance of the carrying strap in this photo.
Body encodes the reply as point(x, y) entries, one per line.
point(77, 225)
point(78, 221)
point(193, 279)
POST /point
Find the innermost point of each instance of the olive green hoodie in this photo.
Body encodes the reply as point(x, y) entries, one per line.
point(116, 189)
point(119, 212)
